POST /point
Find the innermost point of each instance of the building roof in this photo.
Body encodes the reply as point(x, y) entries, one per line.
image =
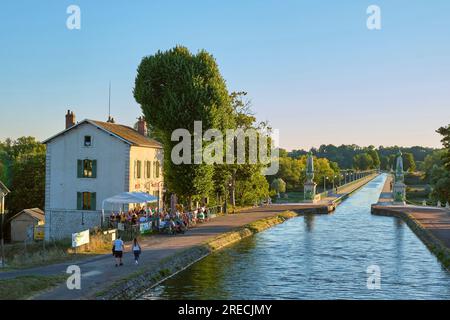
point(35, 213)
point(124, 133)
point(4, 189)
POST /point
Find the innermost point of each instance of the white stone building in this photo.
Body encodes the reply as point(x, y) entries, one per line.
point(90, 161)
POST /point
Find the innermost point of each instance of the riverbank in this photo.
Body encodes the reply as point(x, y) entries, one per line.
point(329, 203)
point(99, 274)
point(431, 225)
point(137, 283)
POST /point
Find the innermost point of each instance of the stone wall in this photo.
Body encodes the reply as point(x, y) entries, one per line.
point(62, 223)
point(436, 246)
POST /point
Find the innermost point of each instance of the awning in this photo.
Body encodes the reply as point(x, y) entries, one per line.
point(131, 197)
point(128, 197)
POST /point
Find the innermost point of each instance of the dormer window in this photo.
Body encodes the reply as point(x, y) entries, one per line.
point(87, 141)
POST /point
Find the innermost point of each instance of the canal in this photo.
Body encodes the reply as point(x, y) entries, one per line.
point(318, 257)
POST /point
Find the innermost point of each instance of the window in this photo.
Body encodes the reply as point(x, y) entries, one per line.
point(138, 169)
point(87, 168)
point(148, 169)
point(86, 201)
point(87, 141)
point(156, 168)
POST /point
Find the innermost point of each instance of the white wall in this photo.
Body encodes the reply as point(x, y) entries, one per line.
point(143, 184)
point(62, 183)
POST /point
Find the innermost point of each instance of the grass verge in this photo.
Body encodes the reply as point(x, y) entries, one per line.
point(21, 288)
point(22, 255)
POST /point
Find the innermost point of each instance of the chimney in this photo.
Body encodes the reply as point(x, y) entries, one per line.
point(70, 119)
point(142, 126)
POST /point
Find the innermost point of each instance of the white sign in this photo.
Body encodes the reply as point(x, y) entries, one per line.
point(144, 227)
point(80, 238)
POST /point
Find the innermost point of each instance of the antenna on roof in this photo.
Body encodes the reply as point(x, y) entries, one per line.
point(110, 119)
point(109, 100)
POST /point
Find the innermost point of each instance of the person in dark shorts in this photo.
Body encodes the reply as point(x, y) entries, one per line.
point(118, 251)
point(136, 250)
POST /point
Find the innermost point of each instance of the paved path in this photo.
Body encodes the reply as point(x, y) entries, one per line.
point(435, 220)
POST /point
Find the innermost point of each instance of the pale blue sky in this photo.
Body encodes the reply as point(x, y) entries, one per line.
point(311, 68)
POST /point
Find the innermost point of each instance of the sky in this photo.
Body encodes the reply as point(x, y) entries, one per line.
point(311, 68)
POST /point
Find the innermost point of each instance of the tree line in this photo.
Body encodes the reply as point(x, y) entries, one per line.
point(22, 170)
point(364, 158)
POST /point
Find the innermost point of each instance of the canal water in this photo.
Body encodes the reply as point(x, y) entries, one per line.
point(318, 257)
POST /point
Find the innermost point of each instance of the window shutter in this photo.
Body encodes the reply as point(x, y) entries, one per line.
point(79, 200)
point(145, 169)
point(94, 168)
point(80, 168)
point(94, 201)
point(134, 175)
point(149, 169)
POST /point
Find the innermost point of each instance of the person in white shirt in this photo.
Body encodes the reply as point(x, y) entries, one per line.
point(118, 247)
point(136, 251)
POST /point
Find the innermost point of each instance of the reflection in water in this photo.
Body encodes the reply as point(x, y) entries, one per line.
point(321, 257)
point(309, 222)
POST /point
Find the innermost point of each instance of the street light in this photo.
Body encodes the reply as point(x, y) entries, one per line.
point(227, 190)
point(325, 183)
point(159, 194)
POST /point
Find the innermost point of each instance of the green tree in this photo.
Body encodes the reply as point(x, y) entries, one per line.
point(384, 163)
point(363, 161)
point(433, 160)
point(291, 171)
point(408, 162)
point(279, 186)
point(445, 132)
point(23, 170)
point(440, 179)
point(175, 88)
point(375, 157)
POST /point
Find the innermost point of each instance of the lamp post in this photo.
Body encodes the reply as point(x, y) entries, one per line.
point(325, 183)
point(227, 191)
point(159, 195)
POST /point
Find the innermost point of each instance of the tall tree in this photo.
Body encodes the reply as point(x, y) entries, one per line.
point(408, 162)
point(445, 132)
point(23, 170)
point(175, 88)
point(375, 157)
point(362, 161)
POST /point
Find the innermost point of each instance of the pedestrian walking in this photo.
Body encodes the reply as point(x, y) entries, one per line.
point(118, 251)
point(136, 250)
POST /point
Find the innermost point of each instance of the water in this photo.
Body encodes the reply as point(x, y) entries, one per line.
point(318, 257)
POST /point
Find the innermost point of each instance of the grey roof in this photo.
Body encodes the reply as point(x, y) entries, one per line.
point(36, 213)
point(122, 132)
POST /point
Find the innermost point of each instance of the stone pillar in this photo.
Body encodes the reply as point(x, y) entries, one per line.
point(309, 186)
point(399, 189)
point(310, 191)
